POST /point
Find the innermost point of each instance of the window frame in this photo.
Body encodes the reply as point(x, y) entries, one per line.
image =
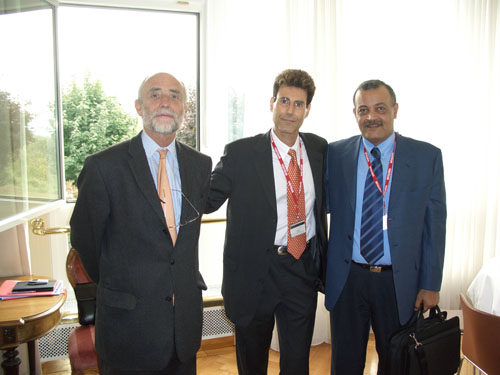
point(24, 216)
point(195, 7)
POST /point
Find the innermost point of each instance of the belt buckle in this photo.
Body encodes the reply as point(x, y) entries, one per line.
point(282, 250)
point(375, 269)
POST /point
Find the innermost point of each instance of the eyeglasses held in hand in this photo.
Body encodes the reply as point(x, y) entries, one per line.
point(194, 213)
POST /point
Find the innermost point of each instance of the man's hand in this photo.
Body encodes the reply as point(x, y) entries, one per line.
point(429, 298)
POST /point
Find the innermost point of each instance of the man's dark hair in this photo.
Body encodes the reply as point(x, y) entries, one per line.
point(373, 84)
point(296, 78)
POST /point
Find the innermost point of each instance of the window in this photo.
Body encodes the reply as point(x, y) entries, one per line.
point(29, 162)
point(102, 67)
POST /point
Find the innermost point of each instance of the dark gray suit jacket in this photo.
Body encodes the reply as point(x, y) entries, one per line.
point(416, 218)
point(245, 177)
point(119, 230)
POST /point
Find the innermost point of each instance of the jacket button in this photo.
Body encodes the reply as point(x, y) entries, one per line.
point(172, 261)
point(168, 299)
point(349, 237)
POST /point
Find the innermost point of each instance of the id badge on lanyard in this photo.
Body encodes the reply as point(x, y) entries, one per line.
point(387, 179)
point(299, 227)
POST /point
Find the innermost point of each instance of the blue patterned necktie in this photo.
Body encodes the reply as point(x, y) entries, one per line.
point(372, 236)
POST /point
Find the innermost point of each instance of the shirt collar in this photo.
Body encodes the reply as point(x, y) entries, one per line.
point(284, 148)
point(385, 147)
point(151, 147)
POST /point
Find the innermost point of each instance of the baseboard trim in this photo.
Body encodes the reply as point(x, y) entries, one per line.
point(217, 343)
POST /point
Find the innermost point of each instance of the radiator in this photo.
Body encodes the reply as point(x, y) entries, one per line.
point(54, 345)
point(216, 323)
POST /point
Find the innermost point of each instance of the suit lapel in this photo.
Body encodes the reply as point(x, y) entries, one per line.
point(350, 168)
point(140, 169)
point(316, 162)
point(263, 164)
point(188, 180)
point(403, 162)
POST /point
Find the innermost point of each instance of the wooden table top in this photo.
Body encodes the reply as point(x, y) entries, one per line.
point(32, 316)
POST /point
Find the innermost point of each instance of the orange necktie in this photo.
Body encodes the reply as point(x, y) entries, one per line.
point(297, 244)
point(165, 195)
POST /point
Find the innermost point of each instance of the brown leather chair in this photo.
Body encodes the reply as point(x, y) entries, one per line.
point(481, 338)
point(82, 355)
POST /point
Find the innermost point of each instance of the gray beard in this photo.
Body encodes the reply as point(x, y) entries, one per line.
point(164, 129)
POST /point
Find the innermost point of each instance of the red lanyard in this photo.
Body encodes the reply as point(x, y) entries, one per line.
point(389, 171)
point(285, 172)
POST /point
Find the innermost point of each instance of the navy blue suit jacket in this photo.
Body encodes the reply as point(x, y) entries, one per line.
point(416, 218)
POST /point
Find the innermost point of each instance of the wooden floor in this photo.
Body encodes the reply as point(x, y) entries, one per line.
point(217, 357)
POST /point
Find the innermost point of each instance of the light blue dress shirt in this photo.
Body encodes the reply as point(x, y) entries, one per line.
point(174, 177)
point(385, 148)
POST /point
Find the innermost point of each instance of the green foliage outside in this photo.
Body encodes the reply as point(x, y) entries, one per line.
point(28, 161)
point(92, 121)
point(13, 132)
point(187, 133)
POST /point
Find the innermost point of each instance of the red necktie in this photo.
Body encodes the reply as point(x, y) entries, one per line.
point(296, 213)
point(165, 195)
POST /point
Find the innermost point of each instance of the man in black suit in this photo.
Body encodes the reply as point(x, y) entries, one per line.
point(145, 263)
point(271, 260)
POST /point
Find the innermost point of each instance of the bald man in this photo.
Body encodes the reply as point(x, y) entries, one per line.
point(136, 226)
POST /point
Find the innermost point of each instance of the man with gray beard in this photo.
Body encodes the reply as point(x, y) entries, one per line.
point(136, 226)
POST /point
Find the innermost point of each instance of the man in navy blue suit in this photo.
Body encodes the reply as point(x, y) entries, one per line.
point(386, 197)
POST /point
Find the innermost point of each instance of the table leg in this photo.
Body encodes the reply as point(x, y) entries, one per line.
point(32, 357)
point(11, 363)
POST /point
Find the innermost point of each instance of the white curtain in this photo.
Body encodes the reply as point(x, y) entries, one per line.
point(472, 164)
point(15, 261)
point(442, 59)
point(14, 251)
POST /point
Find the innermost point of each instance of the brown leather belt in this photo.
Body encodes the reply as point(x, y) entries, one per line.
point(283, 250)
point(373, 268)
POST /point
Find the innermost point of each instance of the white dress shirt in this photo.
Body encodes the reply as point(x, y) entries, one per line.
point(281, 237)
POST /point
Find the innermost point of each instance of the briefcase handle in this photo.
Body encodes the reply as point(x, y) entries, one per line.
point(418, 316)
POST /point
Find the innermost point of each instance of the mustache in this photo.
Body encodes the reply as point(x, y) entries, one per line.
point(373, 122)
point(288, 117)
point(164, 111)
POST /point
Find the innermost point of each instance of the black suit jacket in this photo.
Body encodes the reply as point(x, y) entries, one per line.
point(245, 177)
point(119, 230)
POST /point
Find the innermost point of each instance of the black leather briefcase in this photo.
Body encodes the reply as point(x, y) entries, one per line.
point(429, 346)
